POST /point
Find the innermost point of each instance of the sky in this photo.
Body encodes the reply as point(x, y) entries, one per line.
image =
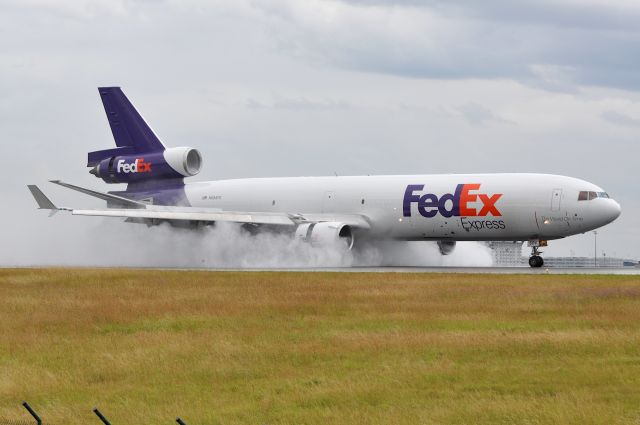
point(289, 87)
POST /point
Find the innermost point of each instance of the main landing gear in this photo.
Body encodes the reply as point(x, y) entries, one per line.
point(536, 260)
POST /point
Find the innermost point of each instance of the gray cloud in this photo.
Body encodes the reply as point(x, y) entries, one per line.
point(477, 114)
point(298, 104)
point(620, 119)
point(591, 15)
point(593, 43)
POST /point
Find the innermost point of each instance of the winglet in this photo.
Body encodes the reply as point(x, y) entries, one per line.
point(44, 203)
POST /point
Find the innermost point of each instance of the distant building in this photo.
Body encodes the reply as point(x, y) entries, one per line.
point(568, 262)
point(509, 254)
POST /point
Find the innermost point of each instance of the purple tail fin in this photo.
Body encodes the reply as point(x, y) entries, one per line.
point(130, 132)
point(139, 159)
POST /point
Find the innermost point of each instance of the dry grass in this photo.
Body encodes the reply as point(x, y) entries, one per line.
point(315, 348)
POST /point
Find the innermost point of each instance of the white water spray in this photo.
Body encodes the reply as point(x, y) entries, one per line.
point(112, 243)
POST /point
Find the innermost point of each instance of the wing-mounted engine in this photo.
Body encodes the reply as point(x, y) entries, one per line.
point(171, 163)
point(326, 234)
point(446, 247)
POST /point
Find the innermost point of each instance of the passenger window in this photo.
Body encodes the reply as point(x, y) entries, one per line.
point(583, 195)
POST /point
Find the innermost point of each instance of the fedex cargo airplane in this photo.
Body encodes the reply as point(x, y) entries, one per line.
point(350, 210)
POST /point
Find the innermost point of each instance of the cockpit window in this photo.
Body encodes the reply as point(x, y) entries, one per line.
point(585, 195)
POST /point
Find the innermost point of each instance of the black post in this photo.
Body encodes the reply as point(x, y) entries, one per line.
point(101, 416)
point(180, 421)
point(32, 412)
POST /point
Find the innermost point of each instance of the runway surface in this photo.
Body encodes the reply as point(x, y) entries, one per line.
point(483, 270)
point(471, 270)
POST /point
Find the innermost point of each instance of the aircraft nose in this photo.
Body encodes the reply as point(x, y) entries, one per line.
point(617, 209)
point(612, 210)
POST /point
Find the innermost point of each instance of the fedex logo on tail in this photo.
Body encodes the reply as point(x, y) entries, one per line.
point(137, 166)
point(462, 202)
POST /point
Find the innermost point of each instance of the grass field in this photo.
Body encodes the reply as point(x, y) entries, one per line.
point(316, 348)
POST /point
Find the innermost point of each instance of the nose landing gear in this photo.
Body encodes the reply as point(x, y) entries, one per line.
point(536, 260)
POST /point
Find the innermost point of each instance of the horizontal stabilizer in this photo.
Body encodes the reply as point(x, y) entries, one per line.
point(114, 199)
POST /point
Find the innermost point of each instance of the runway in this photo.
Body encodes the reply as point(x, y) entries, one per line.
point(470, 270)
point(499, 270)
point(392, 269)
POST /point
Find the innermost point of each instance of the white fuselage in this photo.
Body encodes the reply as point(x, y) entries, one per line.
point(427, 207)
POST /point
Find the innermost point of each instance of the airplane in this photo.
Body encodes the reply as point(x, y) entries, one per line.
point(351, 211)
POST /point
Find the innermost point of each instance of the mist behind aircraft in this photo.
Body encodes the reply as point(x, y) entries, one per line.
point(226, 246)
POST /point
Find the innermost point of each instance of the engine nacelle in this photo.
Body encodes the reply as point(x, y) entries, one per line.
point(169, 164)
point(186, 161)
point(446, 247)
point(326, 234)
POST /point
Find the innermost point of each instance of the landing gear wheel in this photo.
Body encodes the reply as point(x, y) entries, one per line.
point(536, 261)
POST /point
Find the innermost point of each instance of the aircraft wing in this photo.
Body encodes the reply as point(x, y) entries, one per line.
point(200, 214)
point(155, 213)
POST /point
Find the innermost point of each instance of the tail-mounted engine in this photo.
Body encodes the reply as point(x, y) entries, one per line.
point(131, 168)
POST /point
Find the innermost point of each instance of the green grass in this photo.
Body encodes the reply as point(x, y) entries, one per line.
point(314, 348)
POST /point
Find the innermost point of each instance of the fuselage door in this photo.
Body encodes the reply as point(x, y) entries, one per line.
point(556, 196)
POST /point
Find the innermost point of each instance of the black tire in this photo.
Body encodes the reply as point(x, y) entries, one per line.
point(536, 261)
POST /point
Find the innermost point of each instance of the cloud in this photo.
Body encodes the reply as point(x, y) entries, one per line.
point(555, 45)
point(477, 114)
point(589, 14)
point(298, 104)
point(87, 9)
point(620, 119)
